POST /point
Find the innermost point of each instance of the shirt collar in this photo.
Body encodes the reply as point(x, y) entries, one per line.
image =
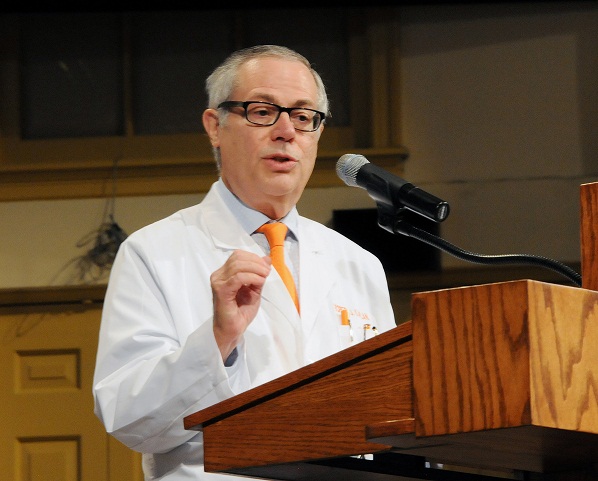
point(250, 219)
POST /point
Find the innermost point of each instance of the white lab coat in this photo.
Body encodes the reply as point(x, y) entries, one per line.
point(157, 359)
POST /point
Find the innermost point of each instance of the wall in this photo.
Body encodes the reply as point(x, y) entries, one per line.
point(45, 242)
point(499, 114)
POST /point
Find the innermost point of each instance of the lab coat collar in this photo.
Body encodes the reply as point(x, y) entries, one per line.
point(221, 224)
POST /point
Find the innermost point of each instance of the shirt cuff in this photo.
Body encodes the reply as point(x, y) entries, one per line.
point(232, 357)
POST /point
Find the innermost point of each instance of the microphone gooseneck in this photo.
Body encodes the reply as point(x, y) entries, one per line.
point(393, 195)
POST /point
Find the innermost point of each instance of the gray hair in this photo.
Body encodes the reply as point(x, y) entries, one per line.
point(223, 80)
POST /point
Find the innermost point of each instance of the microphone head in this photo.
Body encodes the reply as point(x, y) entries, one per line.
point(348, 166)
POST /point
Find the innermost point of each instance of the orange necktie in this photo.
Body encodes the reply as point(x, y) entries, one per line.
point(275, 232)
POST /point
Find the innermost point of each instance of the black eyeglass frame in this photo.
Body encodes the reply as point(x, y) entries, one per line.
point(227, 104)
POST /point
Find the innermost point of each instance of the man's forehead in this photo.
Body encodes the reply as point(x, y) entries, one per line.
point(266, 78)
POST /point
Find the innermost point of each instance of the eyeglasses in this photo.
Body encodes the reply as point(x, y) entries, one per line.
point(266, 113)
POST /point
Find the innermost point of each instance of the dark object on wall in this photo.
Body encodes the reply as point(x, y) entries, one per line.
point(398, 253)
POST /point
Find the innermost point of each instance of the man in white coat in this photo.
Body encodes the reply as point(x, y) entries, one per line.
point(194, 312)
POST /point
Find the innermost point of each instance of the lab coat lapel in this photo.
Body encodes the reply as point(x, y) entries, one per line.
point(315, 279)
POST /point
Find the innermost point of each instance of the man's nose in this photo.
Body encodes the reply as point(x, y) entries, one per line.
point(285, 124)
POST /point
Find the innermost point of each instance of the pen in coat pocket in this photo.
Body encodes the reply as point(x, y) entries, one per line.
point(345, 321)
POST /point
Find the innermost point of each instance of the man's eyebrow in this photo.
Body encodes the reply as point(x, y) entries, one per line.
point(269, 98)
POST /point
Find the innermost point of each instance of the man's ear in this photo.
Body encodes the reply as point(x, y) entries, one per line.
point(211, 123)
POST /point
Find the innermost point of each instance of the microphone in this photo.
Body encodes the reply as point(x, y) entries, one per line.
point(388, 189)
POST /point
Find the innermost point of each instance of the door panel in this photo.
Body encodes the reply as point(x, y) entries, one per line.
point(49, 431)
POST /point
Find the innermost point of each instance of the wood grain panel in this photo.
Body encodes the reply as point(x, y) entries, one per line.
point(589, 235)
point(315, 412)
point(505, 355)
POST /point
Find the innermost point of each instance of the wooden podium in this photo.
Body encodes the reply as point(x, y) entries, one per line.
point(485, 382)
